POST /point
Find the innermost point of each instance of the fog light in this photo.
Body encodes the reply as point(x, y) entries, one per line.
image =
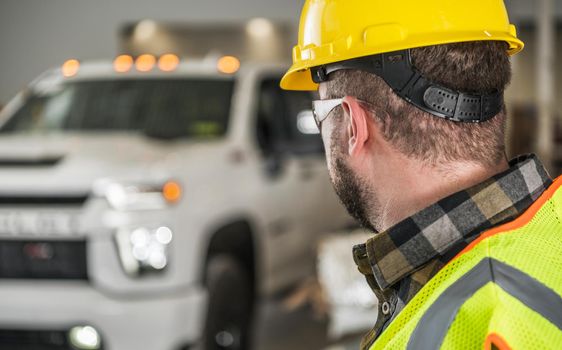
point(84, 337)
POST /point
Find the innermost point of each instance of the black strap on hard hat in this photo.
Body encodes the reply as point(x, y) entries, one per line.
point(396, 69)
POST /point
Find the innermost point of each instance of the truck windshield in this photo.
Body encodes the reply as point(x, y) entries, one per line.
point(164, 108)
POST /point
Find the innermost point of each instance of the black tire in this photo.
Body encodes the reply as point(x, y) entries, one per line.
point(229, 312)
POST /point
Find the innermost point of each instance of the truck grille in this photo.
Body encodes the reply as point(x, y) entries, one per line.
point(65, 260)
point(70, 200)
point(34, 340)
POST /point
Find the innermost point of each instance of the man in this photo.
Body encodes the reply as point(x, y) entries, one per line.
point(468, 246)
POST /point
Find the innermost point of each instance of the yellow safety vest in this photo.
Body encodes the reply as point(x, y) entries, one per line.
point(504, 291)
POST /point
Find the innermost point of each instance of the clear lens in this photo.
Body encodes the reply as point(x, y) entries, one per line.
point(323, 108)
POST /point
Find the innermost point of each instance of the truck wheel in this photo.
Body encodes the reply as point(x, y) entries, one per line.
point(230, 305)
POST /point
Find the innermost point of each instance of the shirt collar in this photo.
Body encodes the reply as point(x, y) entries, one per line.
point(408, 246)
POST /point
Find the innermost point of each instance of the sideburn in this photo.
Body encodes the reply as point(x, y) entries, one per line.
point(348, 187)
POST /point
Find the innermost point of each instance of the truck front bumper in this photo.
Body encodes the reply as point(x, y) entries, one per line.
point(161, 322)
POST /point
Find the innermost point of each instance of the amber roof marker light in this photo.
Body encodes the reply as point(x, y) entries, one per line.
point(168, 62)
point(70, 68)
point(145, 63)
point(123, 63)
point(228, 65)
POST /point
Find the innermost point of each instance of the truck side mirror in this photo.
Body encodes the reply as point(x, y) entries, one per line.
point(273, 156)
point(274, 164)
point(306, 123)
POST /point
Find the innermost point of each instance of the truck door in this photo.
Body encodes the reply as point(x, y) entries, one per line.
point(297, 179)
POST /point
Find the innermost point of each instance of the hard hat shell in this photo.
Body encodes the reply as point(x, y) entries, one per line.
point(338, 30)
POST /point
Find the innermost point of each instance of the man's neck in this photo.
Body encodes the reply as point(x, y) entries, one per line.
point(409, 186)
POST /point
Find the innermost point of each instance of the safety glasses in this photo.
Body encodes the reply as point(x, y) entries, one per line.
point(321, 109)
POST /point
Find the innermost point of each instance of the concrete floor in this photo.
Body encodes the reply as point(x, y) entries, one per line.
point(276, 328)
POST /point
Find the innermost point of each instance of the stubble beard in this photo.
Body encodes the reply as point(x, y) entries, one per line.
point(355, 194)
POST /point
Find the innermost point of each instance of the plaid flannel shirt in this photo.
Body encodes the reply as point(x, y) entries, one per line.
point(400, 261)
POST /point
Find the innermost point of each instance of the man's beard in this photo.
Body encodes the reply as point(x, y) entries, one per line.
point(352, 192)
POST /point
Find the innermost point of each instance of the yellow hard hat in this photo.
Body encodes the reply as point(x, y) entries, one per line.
point(339, 30)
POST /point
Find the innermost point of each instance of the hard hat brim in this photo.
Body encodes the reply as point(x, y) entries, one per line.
point(299, 78)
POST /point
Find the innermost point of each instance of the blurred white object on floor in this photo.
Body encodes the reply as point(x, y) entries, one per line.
point(353, 306)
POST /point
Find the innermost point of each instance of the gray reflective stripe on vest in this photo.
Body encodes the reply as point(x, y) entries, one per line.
point(433, 326)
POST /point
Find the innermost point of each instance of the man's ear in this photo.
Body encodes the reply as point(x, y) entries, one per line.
point(357, 125)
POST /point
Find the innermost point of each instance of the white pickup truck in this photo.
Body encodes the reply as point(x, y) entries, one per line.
point(147, 204)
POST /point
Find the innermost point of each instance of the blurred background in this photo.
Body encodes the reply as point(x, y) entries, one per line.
point(38, 36)
point(148, 198)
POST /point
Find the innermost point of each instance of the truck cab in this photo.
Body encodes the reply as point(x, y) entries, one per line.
point(147, 203)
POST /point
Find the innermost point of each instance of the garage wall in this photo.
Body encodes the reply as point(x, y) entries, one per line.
point(37, 35)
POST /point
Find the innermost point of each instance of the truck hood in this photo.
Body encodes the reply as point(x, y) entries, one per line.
point(71, 163)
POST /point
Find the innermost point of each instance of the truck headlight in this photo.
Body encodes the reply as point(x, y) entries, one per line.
point(143, 249)
point(129, 197)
